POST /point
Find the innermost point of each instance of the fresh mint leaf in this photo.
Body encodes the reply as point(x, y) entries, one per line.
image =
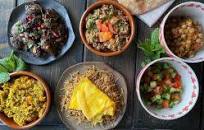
point(155, 36)
point(4, 77)
point(20, 64)
point(9, 62)
point(152, 48)
point(12, 63)
point(3, 69)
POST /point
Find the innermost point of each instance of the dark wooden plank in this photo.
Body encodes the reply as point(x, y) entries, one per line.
point(125, 64)
point(6, 8)
point(143, 119)
point(52, 72)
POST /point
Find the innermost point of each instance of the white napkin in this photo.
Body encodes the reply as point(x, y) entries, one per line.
point(151, 17)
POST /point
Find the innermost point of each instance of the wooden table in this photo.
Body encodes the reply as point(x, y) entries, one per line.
point(136, 118)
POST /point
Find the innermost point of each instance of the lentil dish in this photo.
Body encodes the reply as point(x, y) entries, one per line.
point(23, 99)
point(42, 32)
point(184, 36)
point(107, 29)
point(105, 82)
point(161, 86)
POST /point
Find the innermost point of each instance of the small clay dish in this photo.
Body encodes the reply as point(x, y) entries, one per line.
point(118, 6)
point(9, 121)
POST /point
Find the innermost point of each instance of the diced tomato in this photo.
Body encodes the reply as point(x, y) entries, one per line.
point(178, 77)
point(168, 82)
point(104, 28)
point(165, 104)
point(101, 27)
point(98, 24)
point(177, 84)
point(158, 90)
point(110, 26)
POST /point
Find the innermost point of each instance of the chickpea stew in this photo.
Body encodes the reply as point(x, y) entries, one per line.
point(107, 29)
point(161, 86)
point(184, 36)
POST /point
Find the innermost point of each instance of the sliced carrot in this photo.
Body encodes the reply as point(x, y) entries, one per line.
point(165, 104)
point(105, 36)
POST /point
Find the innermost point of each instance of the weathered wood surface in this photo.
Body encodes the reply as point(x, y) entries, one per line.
point(127, 64)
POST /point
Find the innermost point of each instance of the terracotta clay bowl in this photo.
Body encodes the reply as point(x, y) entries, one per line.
point(9, 121)
point(90, 10)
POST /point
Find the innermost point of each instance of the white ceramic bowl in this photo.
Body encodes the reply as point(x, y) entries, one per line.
point(195, 10)
point(189, 95)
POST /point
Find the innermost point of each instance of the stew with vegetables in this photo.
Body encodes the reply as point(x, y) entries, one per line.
point(161, 86)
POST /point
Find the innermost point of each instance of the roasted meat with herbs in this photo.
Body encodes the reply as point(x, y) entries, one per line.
point(42, 32)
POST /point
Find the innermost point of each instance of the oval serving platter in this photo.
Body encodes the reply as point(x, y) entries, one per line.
point(19, 13)
point(59, 92)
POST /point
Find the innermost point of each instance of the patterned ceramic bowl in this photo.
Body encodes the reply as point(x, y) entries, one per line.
point(195, 10)
point(189, 95)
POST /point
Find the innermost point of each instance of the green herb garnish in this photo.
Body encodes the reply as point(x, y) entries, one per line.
point(10, 64)
point(152, 48)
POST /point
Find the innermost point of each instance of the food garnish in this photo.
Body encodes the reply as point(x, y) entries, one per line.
point(92, 97)
point(184, 36)
point(9, 64)
point(161, 86)
point(152, 48)
point(23, 99)
point(42, 32)
point(107, 29)
point(93, 103)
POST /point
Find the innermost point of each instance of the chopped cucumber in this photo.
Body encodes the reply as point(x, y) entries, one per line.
point(166, 96)
point(153, 84)
point(155, 98)
point(174, 90)
point(159, 101)
point(173, 74)
point(146, 88)
point(171, 104)
point(165, 66)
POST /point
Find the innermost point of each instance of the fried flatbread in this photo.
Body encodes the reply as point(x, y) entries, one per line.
point(141, 6)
